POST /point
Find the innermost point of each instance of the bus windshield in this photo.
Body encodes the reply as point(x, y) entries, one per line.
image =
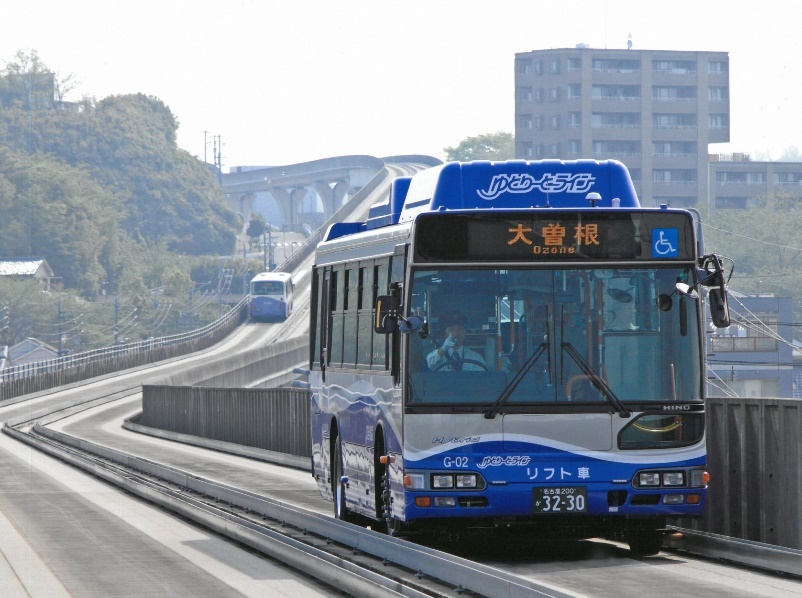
point(267, 287)
point(523, 337)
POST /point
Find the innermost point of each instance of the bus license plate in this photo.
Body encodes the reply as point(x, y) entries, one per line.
point(567, 499)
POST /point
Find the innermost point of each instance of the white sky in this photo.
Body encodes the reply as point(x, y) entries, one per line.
point(287, 81)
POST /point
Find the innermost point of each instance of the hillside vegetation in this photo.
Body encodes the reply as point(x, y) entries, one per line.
point(100, 189)
point(764, 245)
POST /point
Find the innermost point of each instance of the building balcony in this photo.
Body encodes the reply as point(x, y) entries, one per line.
point(727, 344)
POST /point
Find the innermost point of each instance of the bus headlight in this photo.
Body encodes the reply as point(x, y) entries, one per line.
point(650, 478)
point(467, 480)
point(444, 481)
point(440, 481)
point(673, 478)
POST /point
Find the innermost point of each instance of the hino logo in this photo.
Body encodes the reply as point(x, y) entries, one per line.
point(560, 182)
point(676, 407)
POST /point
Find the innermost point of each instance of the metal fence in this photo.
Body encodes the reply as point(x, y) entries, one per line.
point(42, 375)
point(275, 419)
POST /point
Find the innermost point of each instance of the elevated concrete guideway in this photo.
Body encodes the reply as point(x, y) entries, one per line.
point(331, 178)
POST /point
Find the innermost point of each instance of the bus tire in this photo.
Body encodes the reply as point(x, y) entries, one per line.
point(381, 475)
point(645, 542)
point(338, 485)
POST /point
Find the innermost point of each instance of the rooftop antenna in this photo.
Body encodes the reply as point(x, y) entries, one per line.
point(629, 42)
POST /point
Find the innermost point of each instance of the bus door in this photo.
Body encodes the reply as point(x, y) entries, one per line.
point(555, 326)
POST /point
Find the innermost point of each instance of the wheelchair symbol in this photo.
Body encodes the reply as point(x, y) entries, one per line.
point(663, 246)
point(665, 243)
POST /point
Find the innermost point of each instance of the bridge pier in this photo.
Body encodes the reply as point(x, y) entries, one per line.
point(246, 205)
point(287, 201)
point(331, 196)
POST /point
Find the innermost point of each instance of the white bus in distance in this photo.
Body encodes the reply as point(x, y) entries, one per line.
point(270, 296)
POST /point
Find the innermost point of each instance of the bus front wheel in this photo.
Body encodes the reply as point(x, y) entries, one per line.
point(338, 485)
point(645, 542)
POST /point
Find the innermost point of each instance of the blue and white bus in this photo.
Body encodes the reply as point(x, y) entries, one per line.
point(270, 296)
point(514, 343)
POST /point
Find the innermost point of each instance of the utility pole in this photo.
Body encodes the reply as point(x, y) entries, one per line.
point(29, 137)
point(219, 290)
point(270, 263)
point(4, 323)
point(218, 157)
point(60, 338)
point(217, 153)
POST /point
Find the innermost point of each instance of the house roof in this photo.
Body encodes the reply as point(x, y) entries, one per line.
point(24, 266)
point(26, 347)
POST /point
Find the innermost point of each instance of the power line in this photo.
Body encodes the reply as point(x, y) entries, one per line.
point(729, 232)
point(760, 363)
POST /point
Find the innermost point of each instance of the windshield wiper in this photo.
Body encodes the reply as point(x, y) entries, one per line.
point(597, 380)
point(516, 380)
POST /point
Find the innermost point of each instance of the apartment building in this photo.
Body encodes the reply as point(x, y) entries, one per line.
point(655, 111)
point(737, 182)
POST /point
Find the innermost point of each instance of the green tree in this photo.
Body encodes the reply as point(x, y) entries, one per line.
point(55, 211)
point(101, 190)
point(127, 144)
point(27, 81)
point(489, 146)
point(167, 193)
point(256, 227)
point(791, 154)
point(763, 244)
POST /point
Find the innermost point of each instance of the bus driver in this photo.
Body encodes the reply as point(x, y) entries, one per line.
point(453, 354)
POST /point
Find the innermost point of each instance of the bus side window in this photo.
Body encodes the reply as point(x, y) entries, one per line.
point(314, 324)
point(336, 297)
point(365, 317)
point(380, 341)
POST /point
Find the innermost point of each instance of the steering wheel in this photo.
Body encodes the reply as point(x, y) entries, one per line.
point(460, 362)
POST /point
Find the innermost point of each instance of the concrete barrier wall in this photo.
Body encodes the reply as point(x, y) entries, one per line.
point(274, 419)
point(242, 369)
point(755, 460)
point(210, 400)
point(413, 159)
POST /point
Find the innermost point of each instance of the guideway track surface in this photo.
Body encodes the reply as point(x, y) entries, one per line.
point(348, 557)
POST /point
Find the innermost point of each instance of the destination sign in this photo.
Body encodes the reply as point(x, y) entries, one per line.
point(554, 235)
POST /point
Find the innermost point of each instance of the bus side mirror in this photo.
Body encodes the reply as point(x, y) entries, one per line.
point(712, 276)
point(388, 319)
point(719, 309)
